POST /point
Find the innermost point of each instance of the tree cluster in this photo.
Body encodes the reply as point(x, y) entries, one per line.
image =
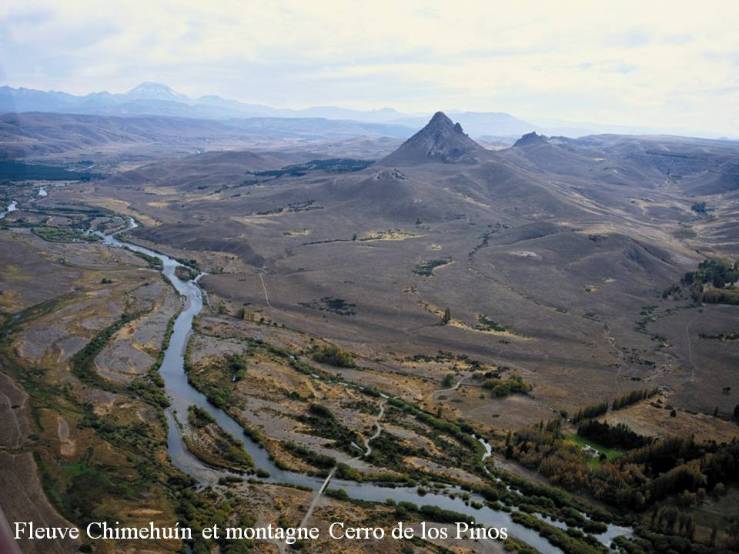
point(332, 355)
point(616, 436)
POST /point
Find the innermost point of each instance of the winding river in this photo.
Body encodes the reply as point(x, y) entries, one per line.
point(183, 395)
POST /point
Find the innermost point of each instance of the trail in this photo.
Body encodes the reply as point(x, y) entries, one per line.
point(368, 451)
point(378, 429)
point(264, 288)
point(454, 387)
point(317, 497)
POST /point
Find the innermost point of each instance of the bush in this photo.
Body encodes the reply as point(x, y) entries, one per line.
point(315, 459)
point(198, 417)
point(334, 356)
point(426, 268)
point(506, 387)
point(339, 494)
point(324, 424)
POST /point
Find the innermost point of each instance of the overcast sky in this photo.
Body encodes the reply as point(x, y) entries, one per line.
point(667, 65)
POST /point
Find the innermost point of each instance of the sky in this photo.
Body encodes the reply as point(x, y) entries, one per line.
point(672, 66)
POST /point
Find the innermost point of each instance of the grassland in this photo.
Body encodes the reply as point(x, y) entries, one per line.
point(599, 452)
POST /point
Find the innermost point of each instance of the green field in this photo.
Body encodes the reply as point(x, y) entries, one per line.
point(610, 453)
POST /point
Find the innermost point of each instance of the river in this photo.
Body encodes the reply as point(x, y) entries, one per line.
point(13, 206)
point(183, 395)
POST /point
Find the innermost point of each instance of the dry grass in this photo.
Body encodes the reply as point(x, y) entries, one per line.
point(647, 419)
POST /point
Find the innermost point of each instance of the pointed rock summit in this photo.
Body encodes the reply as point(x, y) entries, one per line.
point(531, 138)
point(441, 140)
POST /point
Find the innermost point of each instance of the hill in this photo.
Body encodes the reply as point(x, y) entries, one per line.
point(74, 136)
point(441, 140)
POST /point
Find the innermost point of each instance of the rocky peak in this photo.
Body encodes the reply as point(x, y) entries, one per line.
point(531, 138)
point(441, 140)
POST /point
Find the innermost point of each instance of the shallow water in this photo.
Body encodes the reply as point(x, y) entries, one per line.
point(12, 207)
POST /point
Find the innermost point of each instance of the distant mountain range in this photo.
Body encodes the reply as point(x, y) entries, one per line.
point(160, 100)
point(156, 99)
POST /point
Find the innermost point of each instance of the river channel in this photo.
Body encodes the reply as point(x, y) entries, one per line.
point(183, 395)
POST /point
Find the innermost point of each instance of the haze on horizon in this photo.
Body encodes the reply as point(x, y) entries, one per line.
point(668, 66)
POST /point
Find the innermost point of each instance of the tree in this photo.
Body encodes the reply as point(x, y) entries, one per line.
point(719, 490)
point(447, 317)
point(334, 356)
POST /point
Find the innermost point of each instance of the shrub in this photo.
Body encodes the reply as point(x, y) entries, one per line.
point(506, 387)
point(334, 356)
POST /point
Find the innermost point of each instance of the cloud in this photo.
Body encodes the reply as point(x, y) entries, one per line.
point(654, 63)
